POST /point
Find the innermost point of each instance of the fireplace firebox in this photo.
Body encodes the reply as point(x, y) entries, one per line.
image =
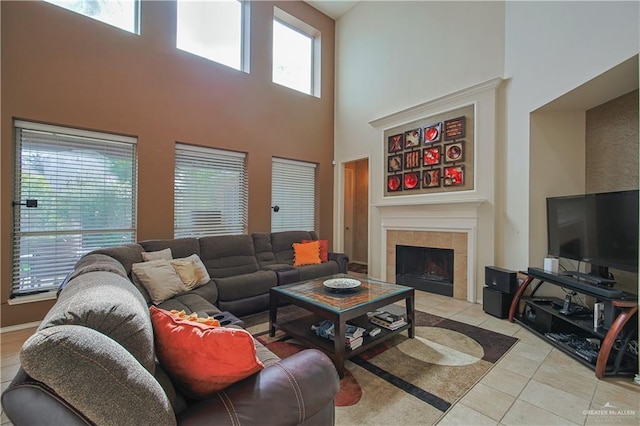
point(425, 268)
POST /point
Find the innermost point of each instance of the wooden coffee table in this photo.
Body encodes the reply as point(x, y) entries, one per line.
point(341, 306)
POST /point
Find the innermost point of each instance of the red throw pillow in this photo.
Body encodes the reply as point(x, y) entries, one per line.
point(306, 253)
point(202, 359)
point(324, 249)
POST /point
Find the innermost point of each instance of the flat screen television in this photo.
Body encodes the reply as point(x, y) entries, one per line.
point(600, 229)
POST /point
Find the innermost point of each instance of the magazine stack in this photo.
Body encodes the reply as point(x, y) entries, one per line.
point(388, 320)
point(353, 334)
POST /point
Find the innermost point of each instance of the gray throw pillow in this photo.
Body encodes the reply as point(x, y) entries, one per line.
point(97, 376)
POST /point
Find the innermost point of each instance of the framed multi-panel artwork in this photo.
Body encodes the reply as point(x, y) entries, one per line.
point(430, 156)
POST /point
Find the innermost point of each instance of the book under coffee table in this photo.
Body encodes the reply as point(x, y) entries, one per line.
point(340, 306)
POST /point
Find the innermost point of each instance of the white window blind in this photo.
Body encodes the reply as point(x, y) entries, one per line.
point(84, 184)
point(211, 196)
point(293, 190)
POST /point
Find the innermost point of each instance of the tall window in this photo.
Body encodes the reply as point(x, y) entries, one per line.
point(123, 14)
point(215, 30)
point(211, 196)
point(74, 192)
point(296, 54)
point(293, 191)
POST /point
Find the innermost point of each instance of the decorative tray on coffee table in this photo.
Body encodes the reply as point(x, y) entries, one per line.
point(338, 284)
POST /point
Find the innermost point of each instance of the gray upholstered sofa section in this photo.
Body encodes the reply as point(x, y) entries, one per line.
point(243, 268)
point(92, 362)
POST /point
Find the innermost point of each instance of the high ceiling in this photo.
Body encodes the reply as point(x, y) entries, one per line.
point(332, 8)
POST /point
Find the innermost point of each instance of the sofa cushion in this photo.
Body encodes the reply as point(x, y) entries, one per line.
point(190, 302)
point(111, 305)
point(157, 255)
point(306, 253)
point(282, 243)
point(246, 285)
point(97, 262)
point(228, 255)
point(202, 359)
point(159, 279)
point(126, 254)
point(96, 375)
point(191, 271)
point(311, 272)
point(208, 292)
point(180, 247)
point(263, 249)
point(176, 399)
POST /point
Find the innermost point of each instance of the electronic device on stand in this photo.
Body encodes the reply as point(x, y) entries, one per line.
point(500, 286)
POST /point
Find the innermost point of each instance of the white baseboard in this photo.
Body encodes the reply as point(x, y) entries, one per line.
point(19, 327)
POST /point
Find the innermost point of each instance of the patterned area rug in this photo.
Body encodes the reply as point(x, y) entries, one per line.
point(404, 381)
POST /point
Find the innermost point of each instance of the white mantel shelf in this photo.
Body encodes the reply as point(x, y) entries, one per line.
point(471, 202)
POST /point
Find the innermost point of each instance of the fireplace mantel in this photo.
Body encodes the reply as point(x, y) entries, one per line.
point(435, 204)
point(469, 212)
point(399, 201)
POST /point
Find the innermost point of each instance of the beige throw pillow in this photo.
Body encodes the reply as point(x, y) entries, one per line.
point(157, 255)
point(191, 271)
point(159, 278)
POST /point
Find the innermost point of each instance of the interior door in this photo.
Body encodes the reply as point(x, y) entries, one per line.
point(349, 193)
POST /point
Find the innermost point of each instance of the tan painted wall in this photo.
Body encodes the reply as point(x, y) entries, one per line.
point(62, 68)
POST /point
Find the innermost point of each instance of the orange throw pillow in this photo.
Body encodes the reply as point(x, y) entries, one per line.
point(306, 254)
point(324, 249)
point(194, 317)
point(202, 359)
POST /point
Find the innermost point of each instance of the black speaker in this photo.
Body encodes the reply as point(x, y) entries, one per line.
point(496, 303)
point(500, 279)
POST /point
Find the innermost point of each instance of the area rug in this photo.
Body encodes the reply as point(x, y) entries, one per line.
point(404, 381)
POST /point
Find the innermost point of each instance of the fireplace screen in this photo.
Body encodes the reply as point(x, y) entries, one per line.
point(425, 268)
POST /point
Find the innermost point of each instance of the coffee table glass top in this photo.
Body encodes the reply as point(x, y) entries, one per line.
point(341, 300)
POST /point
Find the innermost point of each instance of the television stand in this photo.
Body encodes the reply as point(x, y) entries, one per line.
point(590, 278)
point(607, 348)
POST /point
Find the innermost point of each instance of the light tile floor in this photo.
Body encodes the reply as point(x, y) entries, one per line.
point(533, 384)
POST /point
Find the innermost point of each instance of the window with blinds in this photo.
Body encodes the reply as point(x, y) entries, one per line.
point(293, 190)
point(211, 196)
point(75, 191)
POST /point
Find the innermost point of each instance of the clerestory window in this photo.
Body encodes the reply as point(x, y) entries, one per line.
point(124, 14)
point(296, 54)
point(216, 30)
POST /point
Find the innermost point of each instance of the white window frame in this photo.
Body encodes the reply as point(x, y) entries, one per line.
point(68, 5)
point(212, 205)
point(294, 192)
point(245, 37)
point(316, 58)
point(78, 161)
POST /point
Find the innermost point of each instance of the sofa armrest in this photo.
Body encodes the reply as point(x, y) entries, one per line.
point(290, 392)
point(342, 260)
point(27, 402)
